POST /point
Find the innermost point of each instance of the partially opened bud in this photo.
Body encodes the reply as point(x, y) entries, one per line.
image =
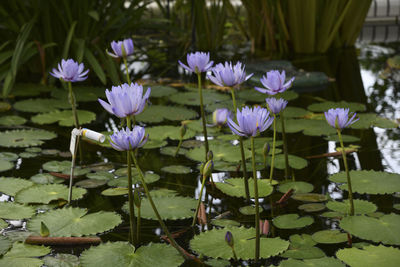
point(266, 149)
point(229, 239)
point(208, 168)
point(136, 198)
point(210, 155)
point(264, 227)
point(44, 231)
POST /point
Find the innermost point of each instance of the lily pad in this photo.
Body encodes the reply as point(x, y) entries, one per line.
point(3, 224)
point(249, 210)
point(64, 167)
point(170, 151)
point(74, 222)
point(91, 183)
point(82, 93)
point(192, 98)
point(25, 137)
point(124, 254)
point(321, 262)
point(385, 229)
point(45, 193)
point(298, 187)
point(292, 221)
point(123, 181)
point(28, 155)
point(303, 240)
point(64, 118)
point(158, 113)
point(370, 182)
point(360, 206)
point(370, 256)
point(15, 211)
point(324, 106)
point(12, 120)
point(154, 143)
point(235, 187)
point(304, 253)
point(22, 255)
point(169, 207)
point(5, 244)
point(225, 223)
point(308, 126)
point(312, 207)
point(115, 191)
point(46, 178)
point(5, 165)
point(221, 151)
point(345, 138)
point(295, 162)
point(162, 90)
point(168, 131)
point(30, 89)
point(10, 186)
point(212, 244)
point(177, 169)
point(296, 112)
point(41, 105)
point(310, 197)
point(61, 260)
point(329, 237)
point(100, 175)
point(9, 156)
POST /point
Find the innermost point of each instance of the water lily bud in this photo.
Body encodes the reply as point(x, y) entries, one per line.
point(183, 130)
point(136, 198)
point(266, 149)
point(208, 168)
point(44, 231)
point(210, 155)
point(264, 227)
point(229, 239)
point(201, 168)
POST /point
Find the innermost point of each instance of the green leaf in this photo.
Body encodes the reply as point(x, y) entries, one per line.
point(298, 187)
point(329, 237)
point(22, 255)
point(95, 65)
point(82, 93)
point(222, 152)
point(321, 262)
point(225, 223)
point(149, 178)
point(5, 165)
point(90, 183)
point(124, 254)
point(30, 89)
point(167, 131)
point(212, 244)
point(100, 175)
point(12, 120)
point(46, 178)
point(292, 221)
point(370, 182)
point(40, 105)
point(161, 90)
point(5, 244)
point(295, 162)
point(303, 240)
point(25, 137)
point(310, 197)
point(116, 191)
point(46, 193)
point(345, 138)
point(15, 211)
point(360, 206)
point(312, 207)
point(67, 43)
point(370, 256)
point(61, 260)
point(385, 229)
point(192, 98)
point(249, 210)
point(158, 113)
point(177, 169)
point(235, 187)
point(64, 118)
point(74, 222)
point(10, 186)
point(8, 156)
point(324, 106)
point(296, 112)
point(304, 253)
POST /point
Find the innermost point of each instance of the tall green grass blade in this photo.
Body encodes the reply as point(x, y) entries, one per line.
point(68, 40)
point(95, 65)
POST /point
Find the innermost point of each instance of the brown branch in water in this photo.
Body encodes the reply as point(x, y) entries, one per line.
point(201, 215)
point(40, 240)
point(332, 154)
point(61, 175)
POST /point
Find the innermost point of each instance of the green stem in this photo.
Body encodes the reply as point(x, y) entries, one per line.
point(273, 152)
point(179, 146)
point(234, 254)
point(347, 173)
point(72, 101)
point(199, 201)
point(130, 198)
point(285, 150)
point(126, 70)
point(253, 156)
point(163, 226)
point(138, 225)
point(203, 118)
point(246, 181)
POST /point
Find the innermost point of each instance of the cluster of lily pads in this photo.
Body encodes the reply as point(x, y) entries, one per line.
point(236, 143)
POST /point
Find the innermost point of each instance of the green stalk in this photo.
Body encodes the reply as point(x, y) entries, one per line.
point(347, 173)
point(130, 195)
point(234, 254)
point(138, 226)
point(179, 146)
point(246, 181)
point(163, 226)
point(72, 101)
point(203, 118)
point(273, 152)
point(253, 156)
point(199, 201)
point(285, 150)
point(126, 70)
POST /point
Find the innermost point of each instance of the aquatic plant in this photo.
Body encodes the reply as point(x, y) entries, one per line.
point(122, 49)
point(274, 82)
point(220, 116)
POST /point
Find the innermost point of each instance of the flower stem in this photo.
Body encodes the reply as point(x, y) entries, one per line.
point(179, 146)
point(285, 150)
point(273, 152)
point(347, 173)
point(234, 254)
point(199, 201)
point(163, 226)
point(253, 156)
point(130, 195)
point(203, 118)
point(127, 71)
point(72, 101)
point(246, 181)
point(138, 225)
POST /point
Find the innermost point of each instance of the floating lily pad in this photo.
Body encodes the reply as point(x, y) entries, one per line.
point(64, 118)
point(115, 191)
point(25, 137)
point(308, 126)
point(304, 253)
point(224, 152)
point(321, 262)
point(163, 192)
point(4, 106)
point(192, 98)
point(10, 186)
point(5, 165)
point(296, 112)
point(310, 197)
point(329, 237)
point(370, 182)
point(82, 93)
point(154, 143)
point(149, 178)
point(5, 244)
point(324, 106)
point(9, 156)
point(295, 162)
point(30, 89)
point(168, 131)
point(225, 223)
point(91, 183)
point(21, 255)
point(12, 120)
point(303, 240)
point(370, 256)
point(249, 210)
point(162, 90)
point(41, 105)
point(100, 175)
point(61, 260)
point(74, 222)
point(170, 151)
point(46, 193)
point(28, 155)
point(385, 229)
point(396, 206)
point(385, 123)
point(64, 167)
point(3, 225)
point(312, 207)
point(360, 206)
point(124, 254)
point(15, 211)
point(298, 187)
point(235, 166)
point(332, 214)
point(235, 187)
point(192, 143)
point(217, 263)
point(158, 113)
point(178, 169)
point(212, 244)
point(345, 138)
point(292, 221)
point(169, 207)
point(46, 178)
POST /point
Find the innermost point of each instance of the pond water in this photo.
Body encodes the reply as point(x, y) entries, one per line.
point(358, 79)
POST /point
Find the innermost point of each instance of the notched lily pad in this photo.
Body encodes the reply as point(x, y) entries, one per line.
point(61, 260)
point(312, 207)
point(12, 120)
point(225, 223)
point(249, 210)
point(64, 118)
point(177, 169)
point(360, 206)
point(192, 98)
point(298, 187)
point(25, 137)
point(310, 197)
point(329, 237)
point(167, 131)
point(15, 211)
point(235, 187)
point(292, 221)
point(370, 256)
point(24, 255)
point(325, 262)
point(5, 165)
point(10, 185)
point(45, 193)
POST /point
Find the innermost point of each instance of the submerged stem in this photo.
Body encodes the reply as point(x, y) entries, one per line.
point(203, 118)
point(273, 152)
point(257, 217)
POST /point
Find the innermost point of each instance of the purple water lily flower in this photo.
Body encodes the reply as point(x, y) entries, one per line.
point(340, 117)
point(274, 82)
point(197, 62)
point(229, 75)
point(276, 105)
point(125, 100)
point(124, 140)
point(117, 48)
point(70, 71)
point(220, 116)
point(250, 121)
